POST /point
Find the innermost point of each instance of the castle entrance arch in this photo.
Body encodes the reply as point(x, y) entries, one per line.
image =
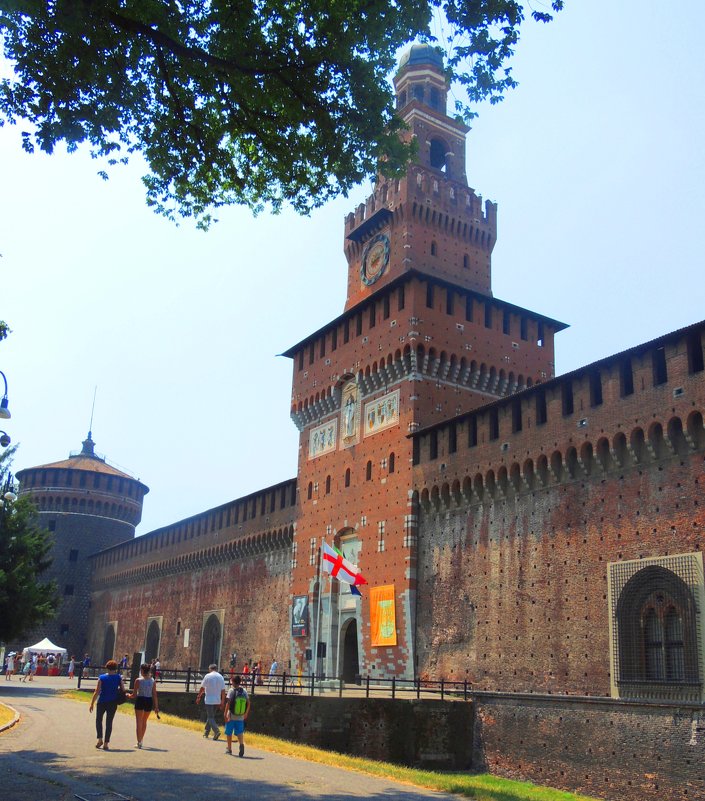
point(109, 643)
point(154, 635)
point(351, 662)
point(210, 642)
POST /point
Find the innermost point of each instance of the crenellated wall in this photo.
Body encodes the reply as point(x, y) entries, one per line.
point(232, 562)
point(516, 528)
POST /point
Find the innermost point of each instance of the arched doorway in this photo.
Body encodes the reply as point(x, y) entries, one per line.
point(351, 664)
point(109, 644)
point(151, 649)
point(210, 647)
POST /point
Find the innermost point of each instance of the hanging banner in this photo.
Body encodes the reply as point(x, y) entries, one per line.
point(383, 620)
point(299, 616)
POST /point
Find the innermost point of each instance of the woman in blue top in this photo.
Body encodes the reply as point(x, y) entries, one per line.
point(106, 691)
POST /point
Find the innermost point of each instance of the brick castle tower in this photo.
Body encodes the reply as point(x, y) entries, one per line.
point(421, 340)
point(88, 506)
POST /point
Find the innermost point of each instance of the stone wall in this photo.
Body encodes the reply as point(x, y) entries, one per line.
point(608, 749)
point(431, 734)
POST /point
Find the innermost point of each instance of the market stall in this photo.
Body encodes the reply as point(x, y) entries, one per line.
point(49, 656)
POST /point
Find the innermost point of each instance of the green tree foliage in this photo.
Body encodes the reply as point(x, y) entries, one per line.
point(25, 601)
point(256, 102)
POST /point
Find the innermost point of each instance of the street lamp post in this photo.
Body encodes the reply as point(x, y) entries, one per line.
point(7, 496)
point(4, 411)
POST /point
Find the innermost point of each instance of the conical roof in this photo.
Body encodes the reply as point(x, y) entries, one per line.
point(87, 459)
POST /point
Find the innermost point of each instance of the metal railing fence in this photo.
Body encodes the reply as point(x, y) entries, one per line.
point(302, 684)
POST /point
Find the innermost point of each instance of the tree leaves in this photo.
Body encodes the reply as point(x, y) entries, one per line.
point(24, 555)
point(254, 102)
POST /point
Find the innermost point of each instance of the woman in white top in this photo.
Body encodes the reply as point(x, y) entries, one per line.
point(145, 695)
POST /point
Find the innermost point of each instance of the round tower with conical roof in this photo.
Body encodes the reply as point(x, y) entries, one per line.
point(87, 505)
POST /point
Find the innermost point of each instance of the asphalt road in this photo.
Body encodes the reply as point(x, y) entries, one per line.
point(51, 754)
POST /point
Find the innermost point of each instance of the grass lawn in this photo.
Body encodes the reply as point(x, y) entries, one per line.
point(6, 715)
point(478, 787)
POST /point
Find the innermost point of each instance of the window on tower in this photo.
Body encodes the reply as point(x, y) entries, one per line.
point(696, 364)
point(438, 155)
point(433, 445)
point(658, 361)
point(626, 378)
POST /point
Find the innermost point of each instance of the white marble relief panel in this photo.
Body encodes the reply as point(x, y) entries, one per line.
point(350, 415)
point(323, 439)
point(382, 413)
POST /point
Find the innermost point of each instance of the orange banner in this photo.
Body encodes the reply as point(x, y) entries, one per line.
point(383, 616)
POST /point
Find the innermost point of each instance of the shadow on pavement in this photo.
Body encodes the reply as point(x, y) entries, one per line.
point(29, 773)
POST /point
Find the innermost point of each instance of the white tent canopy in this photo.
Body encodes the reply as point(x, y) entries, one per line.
point(46, 646)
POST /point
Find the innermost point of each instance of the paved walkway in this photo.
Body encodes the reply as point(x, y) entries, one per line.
point(50, 754)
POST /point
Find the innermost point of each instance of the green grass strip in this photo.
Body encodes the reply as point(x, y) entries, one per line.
point(477, 786)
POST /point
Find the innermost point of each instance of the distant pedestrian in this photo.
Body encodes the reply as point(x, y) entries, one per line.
point(157, 672)
point(237, 710)
point(72, 666)
point(9, 666)
point(213, 688)
point(146, 701)
point(107, 691)
point(86, 666)
point(25, 670)
point(33, 667)
point(124, 663)
point(273, 672)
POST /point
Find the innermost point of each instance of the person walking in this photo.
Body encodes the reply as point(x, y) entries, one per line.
point(107, 691)
point(145, 695)
point(273, 672)
point(9, 666)
point(72, 666)
point(213, 688)
point(237, 709)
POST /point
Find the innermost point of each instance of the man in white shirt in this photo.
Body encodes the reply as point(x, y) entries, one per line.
point(213, 687)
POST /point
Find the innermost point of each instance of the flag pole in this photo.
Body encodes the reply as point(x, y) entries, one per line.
point(318, 610)
point(329, 632)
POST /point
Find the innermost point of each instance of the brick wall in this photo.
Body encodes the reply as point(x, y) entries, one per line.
point(608, 749)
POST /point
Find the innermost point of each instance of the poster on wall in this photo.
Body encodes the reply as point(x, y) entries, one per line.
point(383, 616)
point(299, 616)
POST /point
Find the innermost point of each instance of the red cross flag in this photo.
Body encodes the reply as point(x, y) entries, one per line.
point(339, 567)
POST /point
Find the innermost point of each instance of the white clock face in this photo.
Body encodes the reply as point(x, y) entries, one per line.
point(375, 259)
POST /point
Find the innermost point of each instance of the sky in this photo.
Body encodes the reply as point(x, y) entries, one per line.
point(597, 162)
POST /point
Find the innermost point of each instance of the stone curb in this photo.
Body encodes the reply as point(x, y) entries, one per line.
point(12, 722)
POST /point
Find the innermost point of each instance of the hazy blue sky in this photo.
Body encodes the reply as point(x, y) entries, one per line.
point(597, 162)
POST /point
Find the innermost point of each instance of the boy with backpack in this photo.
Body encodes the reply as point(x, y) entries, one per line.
point(237, 708)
